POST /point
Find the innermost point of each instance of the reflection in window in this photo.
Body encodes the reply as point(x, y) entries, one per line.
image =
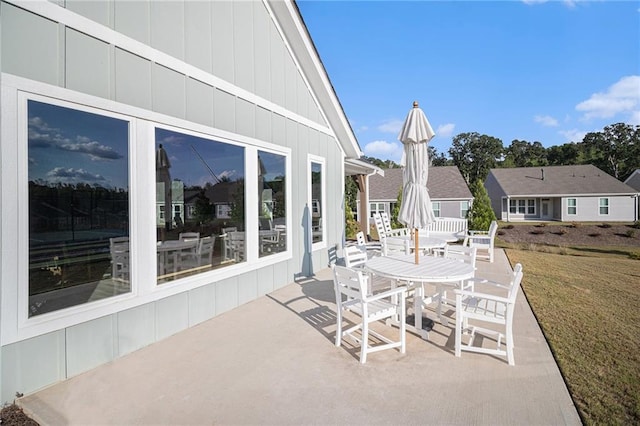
point(435, 206)
point(78, 207)
point(604, 206)
point(316, 202)
point(272, 208)
point(572, 206)
point(201, 183)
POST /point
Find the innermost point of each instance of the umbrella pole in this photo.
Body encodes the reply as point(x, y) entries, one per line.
point(417, 245)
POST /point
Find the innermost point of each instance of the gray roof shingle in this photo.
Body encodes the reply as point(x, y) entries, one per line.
point(558, 180)
point(444, 183)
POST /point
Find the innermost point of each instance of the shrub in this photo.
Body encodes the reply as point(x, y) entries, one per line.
point(605, 225)
point(635, 255)
point(631, 233)
point(541, 224)
point(537, 232)
point(560, 231)
point(509, 226)
point(636, 224)
point(575, 225)
point(501, 232)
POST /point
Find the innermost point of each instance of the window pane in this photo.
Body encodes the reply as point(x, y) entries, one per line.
point(435, 206)
point(78, 207)
point(316, 202)
point(202, 182)
point(272, 209)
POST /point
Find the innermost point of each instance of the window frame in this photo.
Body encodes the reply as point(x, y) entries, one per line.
point(607, 206)
point(570, 206)
point(438, 210)
point(465, 206)
point(15, 92)
point(323, 199)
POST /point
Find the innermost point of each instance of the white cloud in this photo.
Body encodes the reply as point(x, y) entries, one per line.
point(573, 135)
point(383, 150)
point(363, 128)
point(391, 126)
point(546, 120)
point(635, 118)
point(623, 97)
point(445, 130)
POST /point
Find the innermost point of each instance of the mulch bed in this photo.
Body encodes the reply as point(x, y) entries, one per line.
point(569, 235)
point(12, 415)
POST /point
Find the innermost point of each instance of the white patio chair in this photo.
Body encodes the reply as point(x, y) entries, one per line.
point(374, 248)
point(356, 257)
point(483, 240)
point(488, 308)
point(392, 245)
point(203, 256)
point(370, 308)
point(119, 250)
point(390, 232)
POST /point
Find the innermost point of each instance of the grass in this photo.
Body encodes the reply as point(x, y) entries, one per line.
point(586, 302)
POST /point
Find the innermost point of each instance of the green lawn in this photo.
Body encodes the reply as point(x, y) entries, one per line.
point(586, 302)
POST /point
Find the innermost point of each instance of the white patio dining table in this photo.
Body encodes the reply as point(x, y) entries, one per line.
point(431, 269)
point(424, 243)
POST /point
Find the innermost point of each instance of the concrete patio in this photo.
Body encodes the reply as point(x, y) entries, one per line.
point(273, 361)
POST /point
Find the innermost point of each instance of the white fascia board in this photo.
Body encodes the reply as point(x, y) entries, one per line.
point(298, 38)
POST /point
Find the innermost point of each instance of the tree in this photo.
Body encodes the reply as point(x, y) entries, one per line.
point(525, 154)
point(396, 211)
point(616, 149)
point(475, 154)
point(481, 214)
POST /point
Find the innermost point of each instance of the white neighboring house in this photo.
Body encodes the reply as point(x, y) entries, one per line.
point(581, 193)
point(449, 193)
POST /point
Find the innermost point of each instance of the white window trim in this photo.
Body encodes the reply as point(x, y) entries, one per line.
point(439, 209)
point(608, 206)
point(575, 207)
point(463, 215)
point(14, 321)
point(323, 194)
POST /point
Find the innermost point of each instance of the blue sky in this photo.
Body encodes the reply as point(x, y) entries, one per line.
point(546, 71)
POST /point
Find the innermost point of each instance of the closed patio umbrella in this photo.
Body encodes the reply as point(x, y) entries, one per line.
point(415, 210)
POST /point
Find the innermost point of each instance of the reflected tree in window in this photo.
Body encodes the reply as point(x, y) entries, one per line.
point(200, 208)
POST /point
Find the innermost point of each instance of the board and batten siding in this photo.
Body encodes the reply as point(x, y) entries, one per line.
point(229, 69)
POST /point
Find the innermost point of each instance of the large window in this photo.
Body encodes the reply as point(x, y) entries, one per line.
point(522, 206)
point(78, 207)
point(316, 204)
point(272, 209)
point(572, 206)
point(604, 206)
point(201, 182)
point(376, 208)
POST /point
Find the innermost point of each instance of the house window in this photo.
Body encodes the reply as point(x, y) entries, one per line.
point(435, 206)
point(572, 206)
point(78, 206)
point(201, 173)
point(604, 206)
point(522, 206)
point(376, 208)
point(317, 201)
point(464, 209)
point(272, 213)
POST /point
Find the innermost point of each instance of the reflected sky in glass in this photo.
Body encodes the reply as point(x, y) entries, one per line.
point(71, 147)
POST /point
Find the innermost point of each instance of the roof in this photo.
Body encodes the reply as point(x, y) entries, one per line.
point(634, 180)
point(299, 39)
point(444, 183)
point(583, 179)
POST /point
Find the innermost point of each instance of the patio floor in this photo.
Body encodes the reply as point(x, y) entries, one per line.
point(273, 361)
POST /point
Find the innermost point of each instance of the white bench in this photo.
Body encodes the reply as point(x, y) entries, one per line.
point(450, 229)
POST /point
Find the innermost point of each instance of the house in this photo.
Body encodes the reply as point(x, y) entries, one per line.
point(449, 193)
point(138, 123)
point(634, 181)
point(562, 193)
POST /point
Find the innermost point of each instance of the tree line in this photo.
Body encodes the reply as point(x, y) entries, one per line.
point(614, 150)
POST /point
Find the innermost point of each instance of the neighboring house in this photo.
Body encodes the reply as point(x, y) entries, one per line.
point(634, 181)
point(449, 193)
point(562, 193)
point(119, 120)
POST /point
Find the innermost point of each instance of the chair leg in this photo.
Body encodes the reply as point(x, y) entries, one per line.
point(338, 327)
point(365, 341)
point(403, 325)
point(458, 334)
point(509, 343)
